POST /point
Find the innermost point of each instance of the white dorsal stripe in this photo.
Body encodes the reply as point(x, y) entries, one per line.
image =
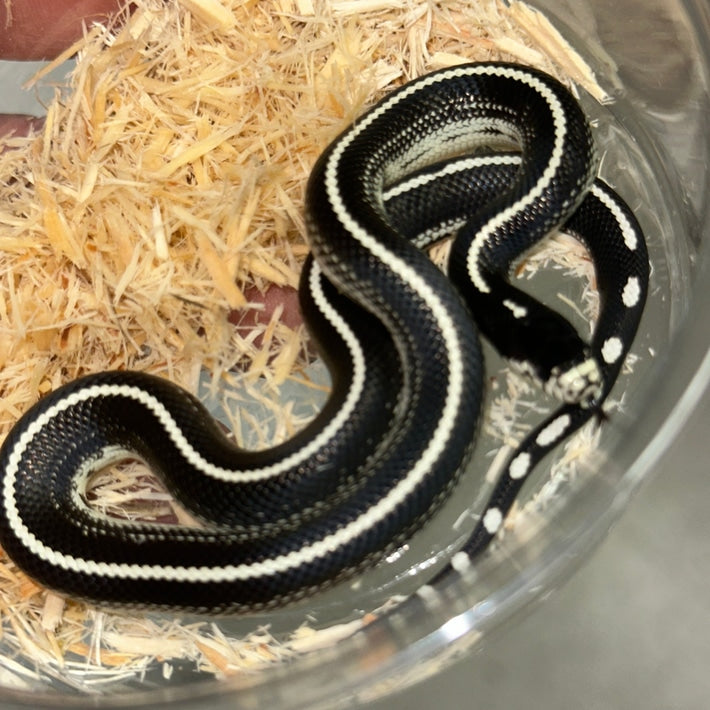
point(347, 533)
point(560, 132)
point(428, 236)
point(627, 231)
point(243, 475)
point(450, 168)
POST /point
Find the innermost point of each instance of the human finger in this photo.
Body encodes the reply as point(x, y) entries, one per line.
point(41, 29)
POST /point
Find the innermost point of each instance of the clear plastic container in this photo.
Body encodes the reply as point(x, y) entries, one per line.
point(654, 57)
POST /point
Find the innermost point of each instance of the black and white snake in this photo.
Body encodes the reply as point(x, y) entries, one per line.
point(401, 340)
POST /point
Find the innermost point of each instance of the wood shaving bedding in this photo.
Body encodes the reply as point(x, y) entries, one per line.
point(161, 199)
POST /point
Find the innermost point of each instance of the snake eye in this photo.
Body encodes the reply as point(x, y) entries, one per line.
point(579, 384)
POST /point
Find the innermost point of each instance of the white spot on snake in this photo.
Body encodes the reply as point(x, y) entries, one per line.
point(632, 292)
point(492, 520)
point(612, 350)
point(519, 466)
point(553, 431)
point(461, 562)
point(429, 596)
point(516, 309)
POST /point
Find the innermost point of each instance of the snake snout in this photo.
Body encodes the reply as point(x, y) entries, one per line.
point(580, 383)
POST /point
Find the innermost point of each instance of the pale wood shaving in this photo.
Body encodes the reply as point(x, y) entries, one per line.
point(211, 12)
point(544, 33)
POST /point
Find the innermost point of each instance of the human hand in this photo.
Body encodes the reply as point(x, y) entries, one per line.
point(42, 29)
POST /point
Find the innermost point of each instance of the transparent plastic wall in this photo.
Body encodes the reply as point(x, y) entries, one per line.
point(653, 57)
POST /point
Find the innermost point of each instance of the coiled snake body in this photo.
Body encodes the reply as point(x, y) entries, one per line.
point(401, 341)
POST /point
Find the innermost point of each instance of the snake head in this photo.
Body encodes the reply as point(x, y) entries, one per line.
point(579, 383)
point(547, 348)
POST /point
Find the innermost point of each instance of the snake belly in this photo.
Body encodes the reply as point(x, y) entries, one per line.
point(402, 347)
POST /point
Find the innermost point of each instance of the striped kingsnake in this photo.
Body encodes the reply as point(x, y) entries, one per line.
point(401, 341)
